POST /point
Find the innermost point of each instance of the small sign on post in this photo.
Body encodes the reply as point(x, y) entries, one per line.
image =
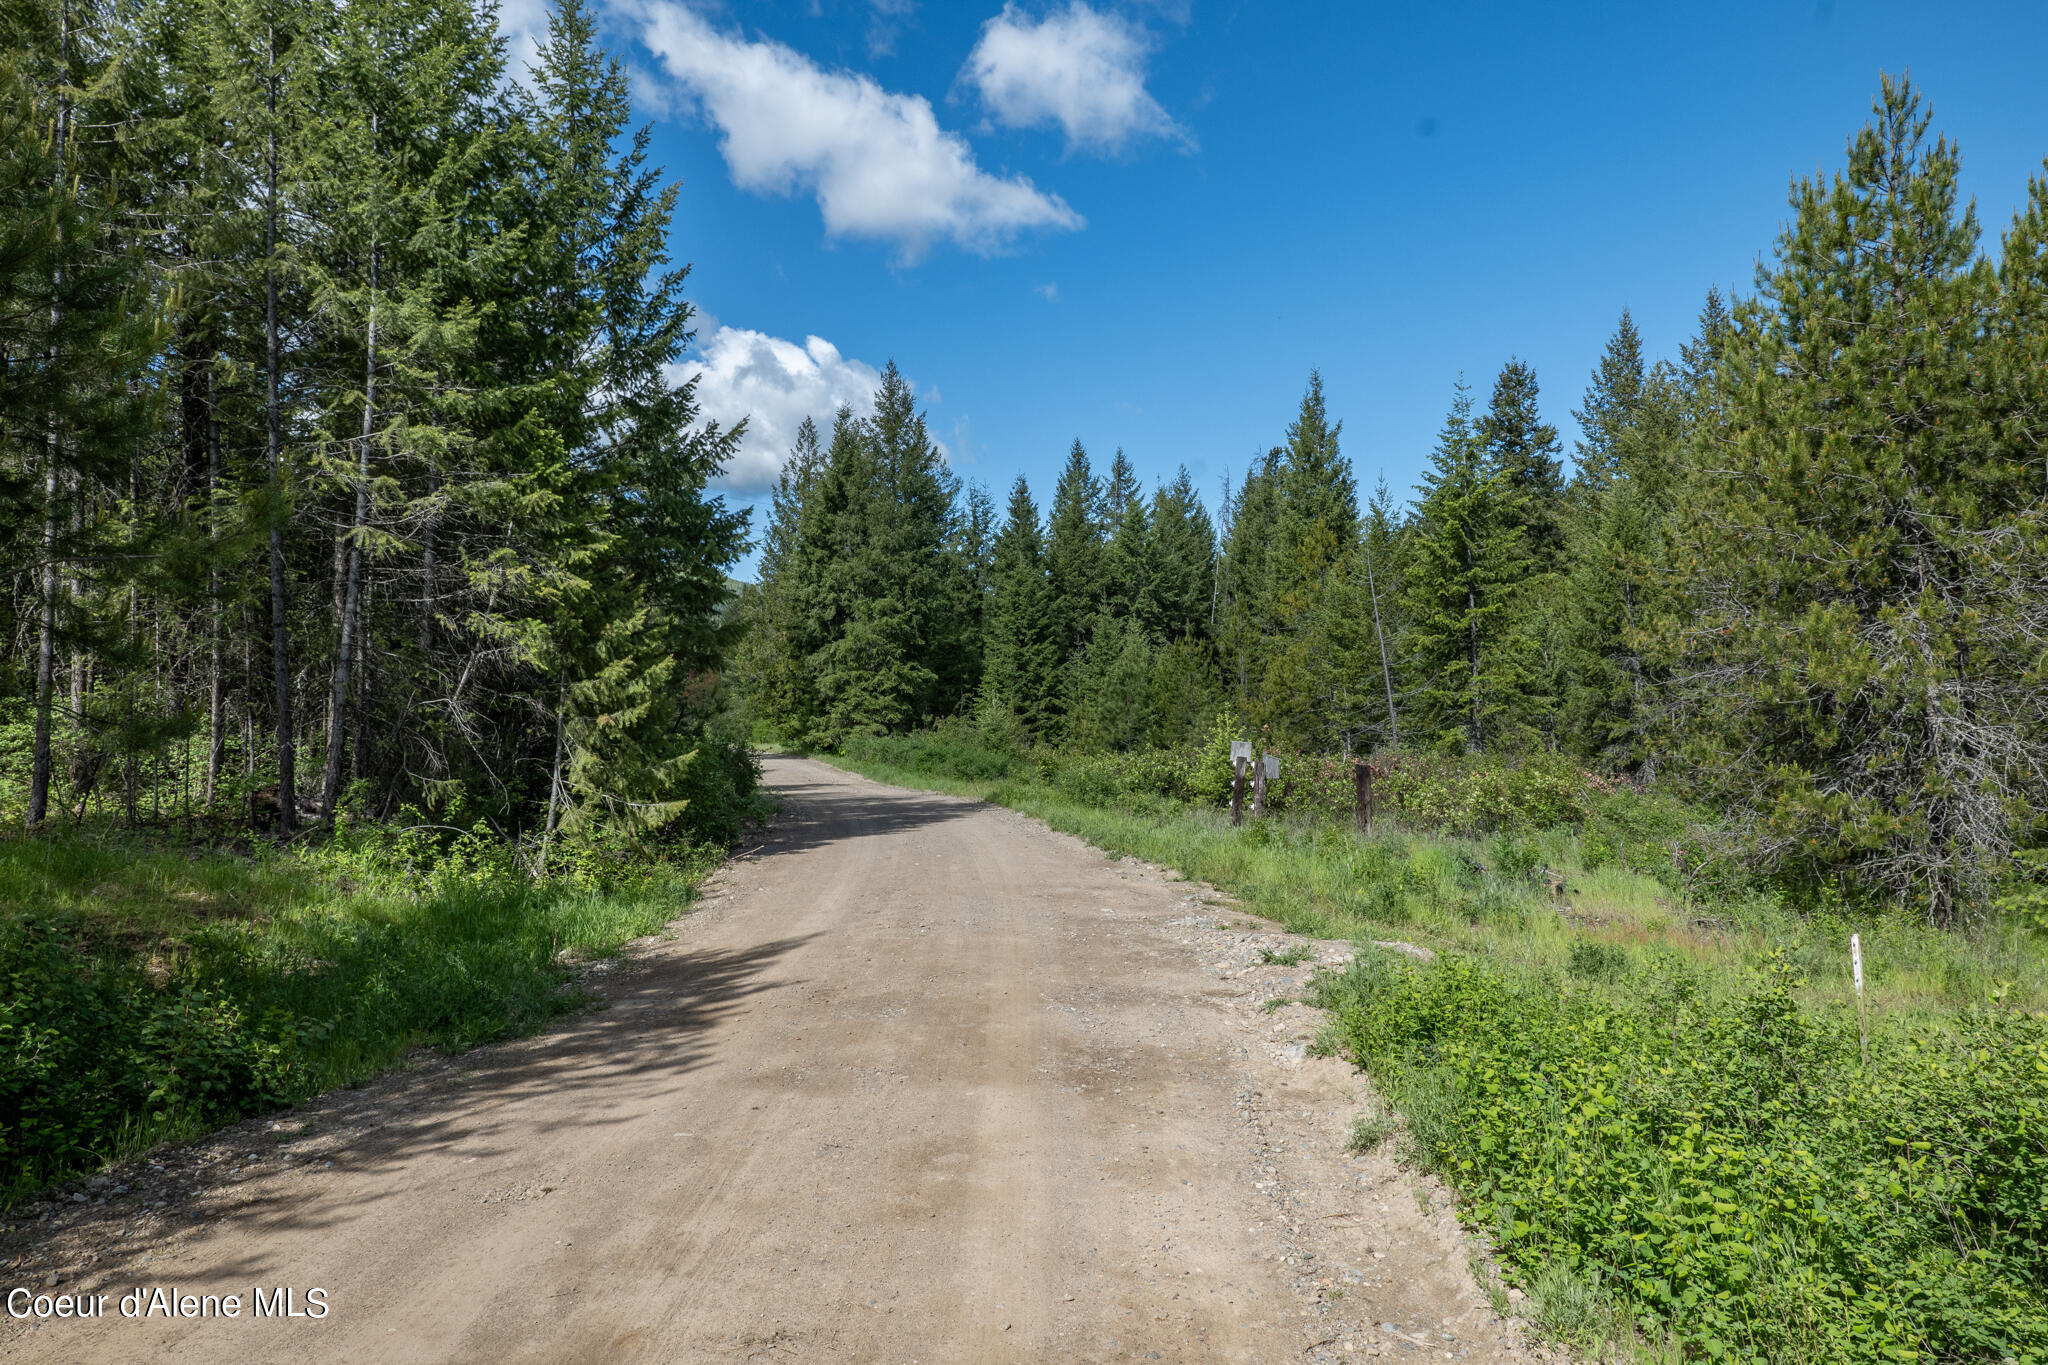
point(1862, 1016)
point(1272, 767)
point(1240, 751)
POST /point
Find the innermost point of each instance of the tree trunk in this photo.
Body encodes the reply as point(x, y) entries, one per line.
point(46, 646)
point(280, 644)
point(46, 635)
point(427, 559)
point(547, 837)
point(337, 711)
point(217, 686)
point(1472, 644)
point(1386, 667)
point(248, 700)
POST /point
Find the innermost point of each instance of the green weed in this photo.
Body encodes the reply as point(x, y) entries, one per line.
point(154, 991)
point(1650, 1087)
point(1370, 1129)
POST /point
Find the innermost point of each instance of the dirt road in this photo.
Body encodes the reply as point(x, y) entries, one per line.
point(921, 1081)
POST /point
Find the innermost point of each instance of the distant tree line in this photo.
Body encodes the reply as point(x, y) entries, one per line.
point(1800, 570)
point(339, 466)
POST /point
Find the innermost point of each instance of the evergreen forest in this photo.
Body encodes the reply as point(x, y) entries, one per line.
point(1795, 572)
point(364, 598)
point(374, 664)
point(1691, 934)
point(343, 475)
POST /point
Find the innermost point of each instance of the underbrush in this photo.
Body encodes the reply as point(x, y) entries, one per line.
point(1642, 1070)
point(1458, 797)
point(1708, 1154)
point(150, 990)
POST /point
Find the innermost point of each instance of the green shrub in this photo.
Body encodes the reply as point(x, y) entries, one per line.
point(1723, 1165)
point(1482, 795)
point(127, 1015)
point(1092, 782)
point(1597, 961)
point(1515, 857)
point(1209, 771)
point(956, 754)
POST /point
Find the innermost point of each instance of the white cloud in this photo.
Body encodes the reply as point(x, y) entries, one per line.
point(1049, 292)
point(885, 23)
point(524, 24)
point(774, 384)
point(1079, 69)
point(878, 163)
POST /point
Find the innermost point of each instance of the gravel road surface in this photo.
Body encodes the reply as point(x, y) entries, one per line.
point(919, 1080)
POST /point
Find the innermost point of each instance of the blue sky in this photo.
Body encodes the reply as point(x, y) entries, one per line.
point(1141, 224)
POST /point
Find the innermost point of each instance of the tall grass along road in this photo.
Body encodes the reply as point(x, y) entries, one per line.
point(923, 1080)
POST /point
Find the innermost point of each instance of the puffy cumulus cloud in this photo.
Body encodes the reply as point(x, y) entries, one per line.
point(774, 384)
point(878, 163)
point(1079, 69)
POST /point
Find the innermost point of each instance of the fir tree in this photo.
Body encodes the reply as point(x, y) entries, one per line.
point(1109, 687)
point(1182, 577)
point(1612, 400)
point(1701, 356)
point(1523, 449)
point(1073, 550)
point(1867, 553)
point(619, 642)
point(1317, 487)
point(1467, 662)
point(1020, 675)
point(1381, 552)
point(1130, 564)
point(1249, 579)
point(1617, 585)
point(75, 322)
point(965, 580)
point(1120, 490)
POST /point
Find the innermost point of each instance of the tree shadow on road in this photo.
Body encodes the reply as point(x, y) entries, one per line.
point(820, 812)
point(602, 1067)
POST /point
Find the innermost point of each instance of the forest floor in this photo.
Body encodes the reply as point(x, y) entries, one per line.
point(921, 1079)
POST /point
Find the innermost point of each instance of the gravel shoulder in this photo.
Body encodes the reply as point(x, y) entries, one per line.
point(921, 1080)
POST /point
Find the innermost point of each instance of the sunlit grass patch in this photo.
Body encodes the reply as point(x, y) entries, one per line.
point(1650, 1091)
point(156, 991)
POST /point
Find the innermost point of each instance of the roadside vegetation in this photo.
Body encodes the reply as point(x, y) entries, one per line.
point(1653, 730)
point(1642, 1071)
point(364, 598)
point(153, 988)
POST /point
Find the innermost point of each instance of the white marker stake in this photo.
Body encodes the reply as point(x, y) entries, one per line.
point(1856, 970)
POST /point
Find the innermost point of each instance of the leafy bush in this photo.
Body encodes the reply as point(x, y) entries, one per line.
point(723, 787)
point(1597, 961)
point(127, 1014)
point(934, 753)
point(1480, 795)
point(1723, 1165)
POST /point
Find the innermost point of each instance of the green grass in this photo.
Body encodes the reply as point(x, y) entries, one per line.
point(1370, 1129)
point(1648, 1089)
point(155, 990)
point(1325, 880)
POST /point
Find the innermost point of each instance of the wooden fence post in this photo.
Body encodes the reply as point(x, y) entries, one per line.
point(1361, 772)
point(1237, 793)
